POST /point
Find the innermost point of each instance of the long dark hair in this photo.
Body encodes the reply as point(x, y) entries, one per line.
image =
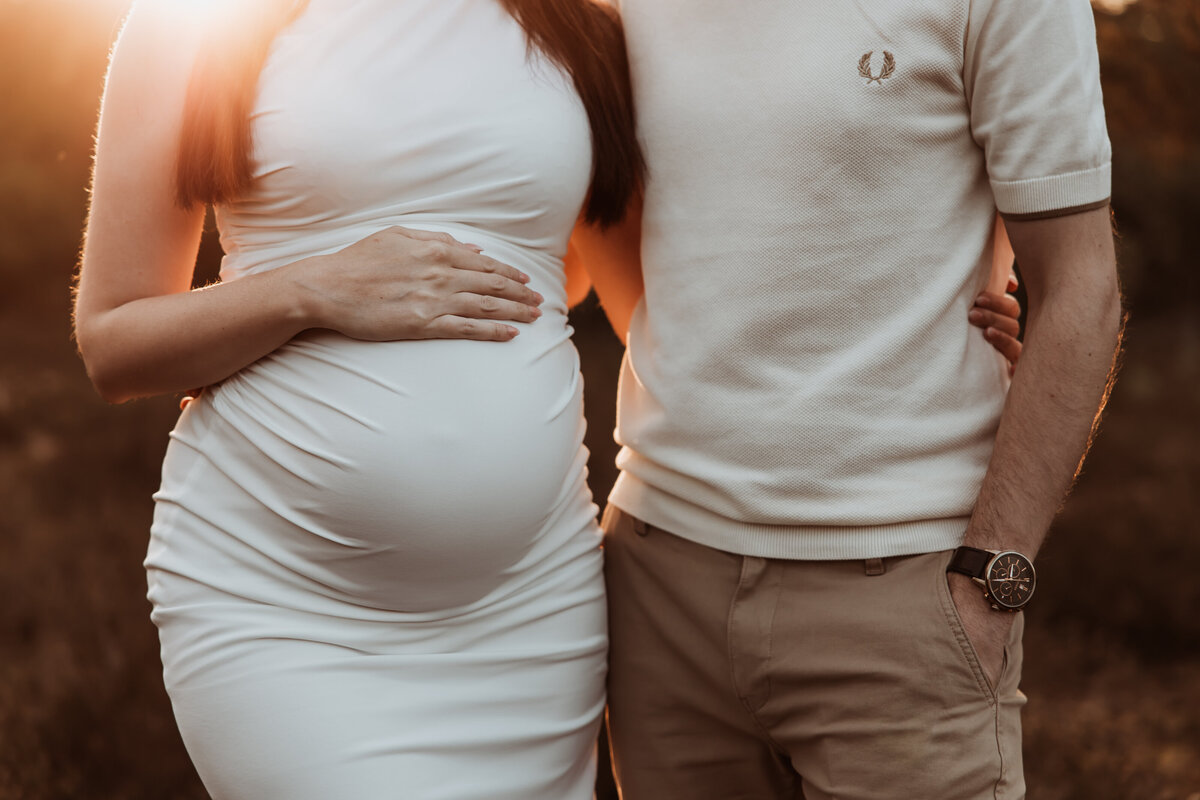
point(584, 37)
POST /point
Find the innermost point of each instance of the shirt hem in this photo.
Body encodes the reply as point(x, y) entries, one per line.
point(795, 542)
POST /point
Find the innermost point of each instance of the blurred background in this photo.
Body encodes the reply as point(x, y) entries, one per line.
point(1113, 642)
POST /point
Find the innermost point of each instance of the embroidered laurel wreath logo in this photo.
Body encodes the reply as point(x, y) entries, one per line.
point(864, 67)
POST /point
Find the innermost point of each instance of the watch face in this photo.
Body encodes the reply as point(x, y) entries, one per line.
point(1010, 580)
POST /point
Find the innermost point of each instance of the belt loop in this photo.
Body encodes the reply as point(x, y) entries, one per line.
point(874, 566)
point(639, 527)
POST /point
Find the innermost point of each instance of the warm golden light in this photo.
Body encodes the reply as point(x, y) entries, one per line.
point(1112, 649)
point(1112, 6)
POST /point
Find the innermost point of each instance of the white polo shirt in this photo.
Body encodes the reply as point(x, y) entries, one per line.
point(824, 177)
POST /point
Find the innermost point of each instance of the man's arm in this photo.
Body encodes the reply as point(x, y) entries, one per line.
point(1067, 366)
point(613, 260)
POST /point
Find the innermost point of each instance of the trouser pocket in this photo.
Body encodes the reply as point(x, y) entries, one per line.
point(963, 640)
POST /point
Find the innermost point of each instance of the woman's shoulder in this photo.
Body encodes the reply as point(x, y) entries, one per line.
point(176, 23)
point(167, 30)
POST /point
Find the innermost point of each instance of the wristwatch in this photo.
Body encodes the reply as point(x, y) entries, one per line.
point(1007, 577)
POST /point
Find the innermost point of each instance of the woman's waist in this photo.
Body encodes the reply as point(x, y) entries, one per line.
point(530, 375)
point(360, 425)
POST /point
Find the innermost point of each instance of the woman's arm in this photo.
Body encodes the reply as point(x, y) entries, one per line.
point(612, 259)
point(141, 330)
point(999, 316)
point(578, 284)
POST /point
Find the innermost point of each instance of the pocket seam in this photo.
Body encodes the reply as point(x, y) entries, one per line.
point(954, 621)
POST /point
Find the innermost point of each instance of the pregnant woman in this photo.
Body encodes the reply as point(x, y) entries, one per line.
point(374, 563)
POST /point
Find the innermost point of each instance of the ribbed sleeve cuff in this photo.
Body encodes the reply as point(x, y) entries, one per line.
point(1054, 196)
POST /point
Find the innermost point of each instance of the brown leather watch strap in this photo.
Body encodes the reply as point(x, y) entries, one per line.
point(970, 561)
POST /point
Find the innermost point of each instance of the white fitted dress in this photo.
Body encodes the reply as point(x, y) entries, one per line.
point(375, 567)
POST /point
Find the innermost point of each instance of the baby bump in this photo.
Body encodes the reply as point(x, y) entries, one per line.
point(395, 472)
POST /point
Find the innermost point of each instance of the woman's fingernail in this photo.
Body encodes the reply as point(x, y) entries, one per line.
point(975, 315)
point(982, 300)
point(539, 298)
point(537, 312)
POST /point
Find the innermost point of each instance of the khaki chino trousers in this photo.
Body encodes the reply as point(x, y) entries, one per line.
point(736, 677)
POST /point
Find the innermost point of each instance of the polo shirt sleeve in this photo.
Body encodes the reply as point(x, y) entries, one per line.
point(1032, 78)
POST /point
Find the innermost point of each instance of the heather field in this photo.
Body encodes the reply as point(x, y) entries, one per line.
point(1112, 664)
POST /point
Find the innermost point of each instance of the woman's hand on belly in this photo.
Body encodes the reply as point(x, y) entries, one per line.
point(401, 283)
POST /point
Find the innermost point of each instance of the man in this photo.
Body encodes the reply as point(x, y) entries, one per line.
point(810, 432)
